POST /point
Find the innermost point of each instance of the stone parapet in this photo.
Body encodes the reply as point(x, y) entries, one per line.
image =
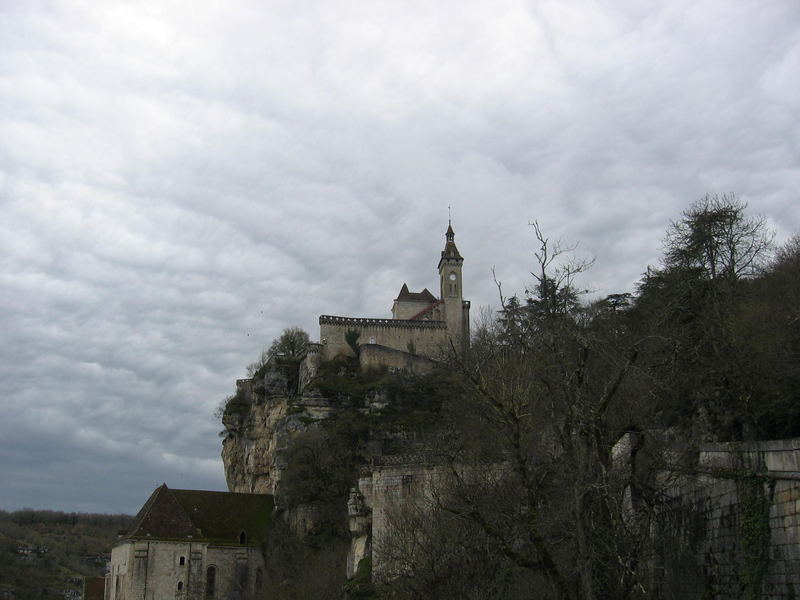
point(739, 514)
point(357, 322)
point(421, 338)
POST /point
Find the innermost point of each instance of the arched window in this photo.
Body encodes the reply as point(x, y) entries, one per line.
point(211, 581)
point(180, 586)
point(243, 538)
point(182, 561)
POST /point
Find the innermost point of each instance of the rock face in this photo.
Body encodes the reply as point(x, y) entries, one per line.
point(740, 527)
point(261, 424)
point(251, 449)
point(305, 552)
point(342, 428)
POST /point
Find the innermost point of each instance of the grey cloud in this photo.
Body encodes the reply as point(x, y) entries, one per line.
point(178, 186)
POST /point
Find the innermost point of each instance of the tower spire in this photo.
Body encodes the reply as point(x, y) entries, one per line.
point(450, 234)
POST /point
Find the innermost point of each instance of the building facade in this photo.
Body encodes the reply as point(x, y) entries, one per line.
point(192, 545)
point(422, 325)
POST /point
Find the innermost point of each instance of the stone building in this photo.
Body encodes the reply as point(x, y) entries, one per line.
point(191, 544)
point(422, 327)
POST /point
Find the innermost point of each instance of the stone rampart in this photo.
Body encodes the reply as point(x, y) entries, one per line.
point(383, 491)
point(736, 518)
point(739, 515)
point(372, 356)
point(425, 338)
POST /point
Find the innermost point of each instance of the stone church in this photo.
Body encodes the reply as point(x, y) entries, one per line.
point(188, 544)
point(423, 328)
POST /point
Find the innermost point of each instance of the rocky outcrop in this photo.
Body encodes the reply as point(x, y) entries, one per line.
point(261, 421)
point(309, 448)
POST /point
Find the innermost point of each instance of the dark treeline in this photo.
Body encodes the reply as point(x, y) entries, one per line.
point(719, 322)
point(570, 420)
point(44, 553)
point(29, 516)
point(716, 326)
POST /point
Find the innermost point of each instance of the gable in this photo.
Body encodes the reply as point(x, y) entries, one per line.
point(406, 296)
point(162, 517)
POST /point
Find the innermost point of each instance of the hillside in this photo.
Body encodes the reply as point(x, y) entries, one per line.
point(46, 554)
point(636, 446)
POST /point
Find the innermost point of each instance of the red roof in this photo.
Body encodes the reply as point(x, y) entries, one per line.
point(426, 310)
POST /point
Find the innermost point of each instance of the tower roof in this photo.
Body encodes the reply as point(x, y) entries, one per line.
point(450, 251)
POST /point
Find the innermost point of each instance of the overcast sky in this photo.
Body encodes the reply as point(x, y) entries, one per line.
point(179, 181)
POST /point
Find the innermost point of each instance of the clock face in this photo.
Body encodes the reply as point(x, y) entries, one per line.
point(452, 276)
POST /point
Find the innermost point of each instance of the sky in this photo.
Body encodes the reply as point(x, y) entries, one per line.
point(180, 181)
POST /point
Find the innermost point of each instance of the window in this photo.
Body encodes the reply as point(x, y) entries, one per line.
point(180, 586)
point(242, 538)
point(259, 579)
point(182, 561)
point(211, 581)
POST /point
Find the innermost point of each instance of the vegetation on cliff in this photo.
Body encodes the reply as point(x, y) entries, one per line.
point(555, 435)
point(572, 415)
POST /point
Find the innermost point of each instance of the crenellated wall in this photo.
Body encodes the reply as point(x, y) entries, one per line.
point(427, 338)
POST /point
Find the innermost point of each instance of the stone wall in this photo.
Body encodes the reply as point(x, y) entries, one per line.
point(373, 356)
point(152, 570)
point(428, 338)
point(406, 309)
point(736, 522)
point(740, 519)
point(379, 493)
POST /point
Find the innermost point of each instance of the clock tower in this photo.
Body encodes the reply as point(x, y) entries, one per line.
point(455, 307)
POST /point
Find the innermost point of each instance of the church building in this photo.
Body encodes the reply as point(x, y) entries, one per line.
point(422, 329)
point(189, 544)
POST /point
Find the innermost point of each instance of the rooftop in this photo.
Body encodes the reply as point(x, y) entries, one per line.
point(218, 517)
point(424, 296)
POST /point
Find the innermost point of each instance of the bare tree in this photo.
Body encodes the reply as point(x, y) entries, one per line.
point(290, 344)
point(529, 449)
point(716, 239)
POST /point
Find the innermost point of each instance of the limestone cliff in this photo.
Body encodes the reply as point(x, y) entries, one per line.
point(261, 421)
point(317, 451)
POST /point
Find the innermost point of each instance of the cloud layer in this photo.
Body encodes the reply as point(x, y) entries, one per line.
point(179, 182)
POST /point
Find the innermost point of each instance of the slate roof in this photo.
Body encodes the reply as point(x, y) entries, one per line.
point(450, 250)
point(423, 296)
point(218, 517)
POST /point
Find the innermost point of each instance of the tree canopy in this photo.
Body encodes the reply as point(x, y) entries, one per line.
point(290, 344)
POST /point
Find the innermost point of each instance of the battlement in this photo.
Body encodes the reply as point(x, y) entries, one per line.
point(359, 322)
point(423, 327)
